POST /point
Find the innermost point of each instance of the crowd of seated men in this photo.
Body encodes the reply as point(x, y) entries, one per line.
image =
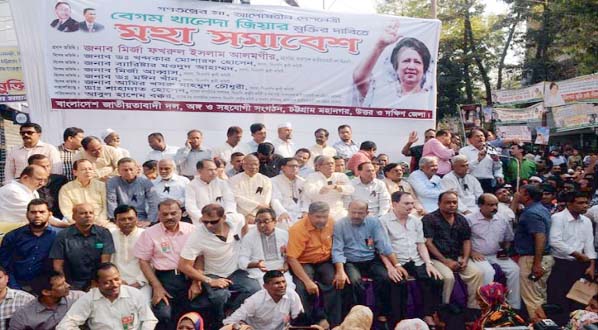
point(262, 235)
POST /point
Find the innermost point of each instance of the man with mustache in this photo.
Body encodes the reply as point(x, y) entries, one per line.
point(159, 249)
point(309, 255)
point(491, 237)
point(125, 236)
point(16, 159)
point(24, 251)
point(78, 249)
point(110, 305)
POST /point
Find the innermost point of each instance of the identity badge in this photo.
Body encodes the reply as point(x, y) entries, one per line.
point(127, 322)
point(165, 247)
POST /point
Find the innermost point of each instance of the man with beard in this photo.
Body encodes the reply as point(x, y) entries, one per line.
point(284, 145)
point(271, 308)
point(345, 147)
point(24, 251)
point(269, 161)
point(572, 246)
point(321, 147)
point(503, 193)
point(111, 305)
point(78, 250)
point(54, 299)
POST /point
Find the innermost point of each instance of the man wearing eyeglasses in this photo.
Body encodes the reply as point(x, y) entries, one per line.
point(466, 185)
point(287, 193)
point(264, 248)
point(16, 160)
point(218, 242)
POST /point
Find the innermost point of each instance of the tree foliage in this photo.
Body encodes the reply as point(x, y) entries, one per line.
point(553, 39)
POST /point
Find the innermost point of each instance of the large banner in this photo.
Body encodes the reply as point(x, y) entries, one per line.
point(171, 57)
point(12, 88)
point(574, 116)
point(580, 89)
point(521, 132)
point(534, 93)
point(506, 115)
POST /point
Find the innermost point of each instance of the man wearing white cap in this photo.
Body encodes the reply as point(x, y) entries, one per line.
point(283, 144)
point(111, 138)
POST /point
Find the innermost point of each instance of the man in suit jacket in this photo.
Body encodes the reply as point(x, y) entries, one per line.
point(90, 24)
point(64, 22)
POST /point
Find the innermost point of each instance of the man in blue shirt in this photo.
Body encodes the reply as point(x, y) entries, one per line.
point(531, 243)
point(356, 240)
point(131, 189)
point(24, 251)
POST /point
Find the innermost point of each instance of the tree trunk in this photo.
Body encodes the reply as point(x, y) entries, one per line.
point(476, 56)
point(501, 64)
point(466, 75)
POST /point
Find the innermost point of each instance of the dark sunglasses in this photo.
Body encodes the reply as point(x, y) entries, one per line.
point(27, 132)
point(213, 222)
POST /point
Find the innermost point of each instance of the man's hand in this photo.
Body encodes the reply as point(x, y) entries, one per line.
point(412, 137)
point(463, 264)
point(481, 154)
point(285, 217)
point(433, 272)
point(340, 279)
point(580, 257)
point(394, 275)
point(452, 264)
point(397, 273)
point(538, 270)
point(160, 294)
point(220, 283)
point(250, 219)
point(194, 290)
point(590, 272)
point(143, 224)
point(261, 265)
point(500, 180)
point(312, 288)
point(477, 256)
point(326, 189)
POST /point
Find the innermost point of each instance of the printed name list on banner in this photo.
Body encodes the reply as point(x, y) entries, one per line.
point(190, 57)
point(529, 114)
point(12, 88)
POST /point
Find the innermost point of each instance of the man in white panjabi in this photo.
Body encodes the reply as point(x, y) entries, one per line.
point(328, 186)
point(251, 189)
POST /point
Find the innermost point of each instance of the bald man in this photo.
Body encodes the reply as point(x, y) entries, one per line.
point(491, 237)
point(252, 190)
point(78, 249)
point(16, 194)
point(360, 247)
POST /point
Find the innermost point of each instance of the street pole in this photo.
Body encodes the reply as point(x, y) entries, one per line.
point(433, 9)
